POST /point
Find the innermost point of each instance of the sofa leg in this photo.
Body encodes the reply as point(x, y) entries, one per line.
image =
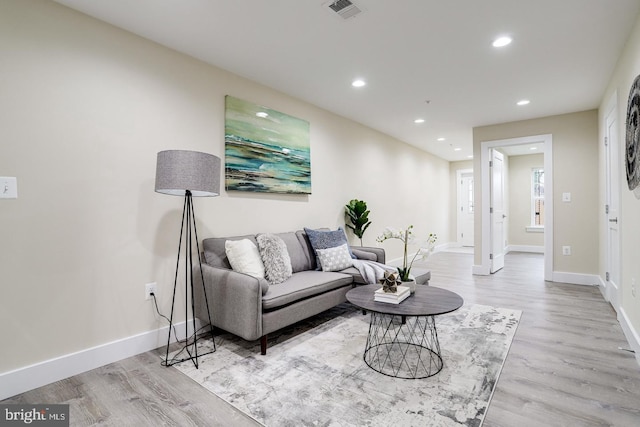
point(263, 345)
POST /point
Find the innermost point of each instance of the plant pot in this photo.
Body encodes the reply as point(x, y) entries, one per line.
point(411, 284)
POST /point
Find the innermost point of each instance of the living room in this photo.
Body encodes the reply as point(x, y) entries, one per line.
point(87, 106)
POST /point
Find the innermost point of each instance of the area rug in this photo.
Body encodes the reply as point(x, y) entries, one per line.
point(314, 373)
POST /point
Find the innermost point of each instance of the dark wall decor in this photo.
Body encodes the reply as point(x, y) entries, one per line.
point(633, 138)
point(265, 150)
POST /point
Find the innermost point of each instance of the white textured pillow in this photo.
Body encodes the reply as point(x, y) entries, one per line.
point(244, 257)
point(335, 259)
point(275, 257)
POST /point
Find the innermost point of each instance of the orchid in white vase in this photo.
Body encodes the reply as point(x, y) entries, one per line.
point(406, 236)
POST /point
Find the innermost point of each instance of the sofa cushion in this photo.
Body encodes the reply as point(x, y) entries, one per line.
point(275, 257)
point(323, 239)
point(302, 285)
point(335, 259)
point(360, 254)
point(296, 250)
point(215, 253)
point(309, 253)
point(244, 257)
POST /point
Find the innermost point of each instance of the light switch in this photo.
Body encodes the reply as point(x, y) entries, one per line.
point(8, 187)
point(566, 197)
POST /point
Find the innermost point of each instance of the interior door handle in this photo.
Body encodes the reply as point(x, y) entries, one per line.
point(613, 220)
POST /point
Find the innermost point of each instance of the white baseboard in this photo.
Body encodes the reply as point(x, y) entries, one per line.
point(43, 373)
point(576, 278)
point(526, 248)
point(633, 337)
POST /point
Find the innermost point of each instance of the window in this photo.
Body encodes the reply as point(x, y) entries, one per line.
point(537, 197)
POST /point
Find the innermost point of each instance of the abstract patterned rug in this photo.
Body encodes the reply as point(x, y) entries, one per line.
point(314, 374)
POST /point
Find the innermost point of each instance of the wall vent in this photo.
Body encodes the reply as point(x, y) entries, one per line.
point(344, 8)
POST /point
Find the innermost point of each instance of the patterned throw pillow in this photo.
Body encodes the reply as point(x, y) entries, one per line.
point(335, 259)
point(244, 257)
point(274, 254)
point(323, 239)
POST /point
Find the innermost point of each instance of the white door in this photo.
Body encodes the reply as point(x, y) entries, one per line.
point(614, 166)
point(465, 209)
point(498, 215)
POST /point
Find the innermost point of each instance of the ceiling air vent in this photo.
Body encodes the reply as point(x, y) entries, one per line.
point(344, 8)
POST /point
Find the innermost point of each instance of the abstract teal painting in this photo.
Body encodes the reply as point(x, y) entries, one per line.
point(265, 150)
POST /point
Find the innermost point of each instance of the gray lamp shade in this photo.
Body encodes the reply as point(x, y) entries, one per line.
point(180, 170)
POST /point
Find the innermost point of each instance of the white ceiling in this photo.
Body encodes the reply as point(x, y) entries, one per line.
point(408, 51)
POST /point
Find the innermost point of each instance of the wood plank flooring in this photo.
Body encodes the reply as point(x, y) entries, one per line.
point(564, 367)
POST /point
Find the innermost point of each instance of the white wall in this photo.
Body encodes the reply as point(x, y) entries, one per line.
point(84, 109)
point(627, 69)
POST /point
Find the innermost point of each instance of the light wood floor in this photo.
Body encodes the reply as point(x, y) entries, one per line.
point(564, 368)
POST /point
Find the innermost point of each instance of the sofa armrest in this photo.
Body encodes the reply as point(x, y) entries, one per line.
point(365, 252)
point(235, 300)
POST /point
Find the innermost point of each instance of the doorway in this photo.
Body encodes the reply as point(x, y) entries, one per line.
point(486, 240)
point(465, 207)
point(612, 194)
point(497, 211)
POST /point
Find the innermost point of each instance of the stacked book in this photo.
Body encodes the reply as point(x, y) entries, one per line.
point(392, 297)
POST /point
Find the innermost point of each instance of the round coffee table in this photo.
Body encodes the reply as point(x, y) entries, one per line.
point(403, 340)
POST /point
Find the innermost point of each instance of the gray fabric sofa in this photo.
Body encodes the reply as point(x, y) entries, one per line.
point(250, 308)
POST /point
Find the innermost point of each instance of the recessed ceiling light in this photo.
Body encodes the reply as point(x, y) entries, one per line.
point(262, 114)
point(501, 41)
point(358, 83)
point(457, 149)
point(533, 148)
point(470, 157)
point(523, 102)
point(418, 121)
point(440, 139)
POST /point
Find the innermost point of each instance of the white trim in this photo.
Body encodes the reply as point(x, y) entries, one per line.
point(485, 156)
point(49, 371)
point(576, 278)
point(633, 337)
point(526, 248)
point(534, 229)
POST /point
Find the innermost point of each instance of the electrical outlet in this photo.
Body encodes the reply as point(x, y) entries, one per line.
point(566, 250)
point(150, 288)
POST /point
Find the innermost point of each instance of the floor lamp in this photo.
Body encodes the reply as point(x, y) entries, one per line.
point(189, 174)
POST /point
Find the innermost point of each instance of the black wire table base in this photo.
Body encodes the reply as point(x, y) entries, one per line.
point(403, 346)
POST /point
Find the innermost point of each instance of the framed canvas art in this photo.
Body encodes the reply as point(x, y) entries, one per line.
point(633, 138)
point(265, 150)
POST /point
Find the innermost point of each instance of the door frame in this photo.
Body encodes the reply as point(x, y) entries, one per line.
point(459, 174)
point(485, 156)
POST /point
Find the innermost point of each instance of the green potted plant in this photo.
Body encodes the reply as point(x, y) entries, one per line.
point(358, 214)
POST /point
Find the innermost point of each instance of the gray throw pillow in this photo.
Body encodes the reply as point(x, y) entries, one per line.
point(324, 239)
point(335, 259)
point(275, 257)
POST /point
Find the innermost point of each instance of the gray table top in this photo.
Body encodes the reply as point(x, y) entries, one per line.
point(426, 301)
